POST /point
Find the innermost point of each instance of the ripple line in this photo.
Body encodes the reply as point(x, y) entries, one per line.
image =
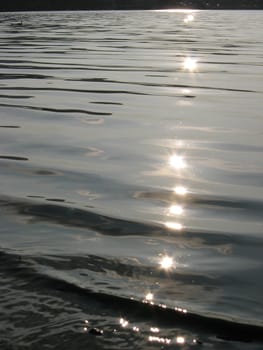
point(56, 110)
point(224, 329)
point(13, 158)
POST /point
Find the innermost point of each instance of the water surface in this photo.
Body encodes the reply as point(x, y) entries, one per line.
point(131, 180)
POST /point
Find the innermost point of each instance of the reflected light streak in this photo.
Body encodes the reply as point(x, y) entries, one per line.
point(179, 309)
point(180, 190)
point(166, 262)
point(159, 340)
point(180, 340)
point(123, 322)
point(190, 64)
point(189, 18)
point(174, 226)
point(149, 296)
point(154, 330)
point(176, 210)
point(85, 329)
point(186, 91)
point(177, 162)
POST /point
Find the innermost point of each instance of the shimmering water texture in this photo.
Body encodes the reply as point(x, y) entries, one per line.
point(131, 180)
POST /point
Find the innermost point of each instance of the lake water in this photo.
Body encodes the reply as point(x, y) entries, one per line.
point(131, 182)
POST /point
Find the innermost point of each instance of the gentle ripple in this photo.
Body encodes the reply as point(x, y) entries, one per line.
point(131, 180)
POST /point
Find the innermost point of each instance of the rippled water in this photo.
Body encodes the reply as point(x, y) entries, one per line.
point(131, 180)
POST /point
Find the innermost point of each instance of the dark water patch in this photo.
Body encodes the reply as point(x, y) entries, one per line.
point(156, 75)
point(23, 76)
point(45, 172)
point(107, 103)
point(189, 96)
point(57, 52)
point(16, 96)
point(27, 277)
point(13, 158)
point(233, 46)
point(70, 216)
point(55, 200)
point(10, 126)
point(82, 218)
point(225, 53)
point(57, 110)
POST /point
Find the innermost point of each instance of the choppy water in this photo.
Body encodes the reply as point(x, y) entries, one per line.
point(131, 180)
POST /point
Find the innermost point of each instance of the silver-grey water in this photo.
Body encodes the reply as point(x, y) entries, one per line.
point(131, 180)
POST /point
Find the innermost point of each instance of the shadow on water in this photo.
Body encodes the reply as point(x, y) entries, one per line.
point(68, 215)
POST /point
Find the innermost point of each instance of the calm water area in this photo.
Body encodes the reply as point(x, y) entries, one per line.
point(131, 180)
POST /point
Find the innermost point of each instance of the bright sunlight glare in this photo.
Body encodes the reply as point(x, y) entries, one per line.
point(177, 162)
point(174, 226)
point(149, 296)
point(176, 210)
point(190, 64)
point(180, 190)
point(189, 18)
point(166, 262)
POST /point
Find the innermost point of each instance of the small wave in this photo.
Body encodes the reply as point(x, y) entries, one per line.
point(92, 91)
point(57, 110)
point(13, 158)
point(10, 126)
point(66, 214)
point(23, 270)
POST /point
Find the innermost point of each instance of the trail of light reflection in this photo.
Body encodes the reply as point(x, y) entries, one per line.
point(190, 64)
point(174, 226)
point(124, 323)
point(177, 162)
point(186, 91)
point(136, 329)
point(167, 262)
point(85, 329)
point(180, 190)
point(149, 296)
point(154, 330)
point(181, 310)
point(159, 340)
point(180, 340)
point(176, 210)
point(189, 18)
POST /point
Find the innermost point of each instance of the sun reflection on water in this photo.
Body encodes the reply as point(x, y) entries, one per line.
point(180, 340)
point(167, 262)
point(189, 18)
point(124, 323)
point(154, 330)
point(176, 210)
point(186, 91)
point(136, 329)
point(159, 340)
point(190, 64)
point(174, 225)
point(177, 162)
point(180, 190)
point(149, 296)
